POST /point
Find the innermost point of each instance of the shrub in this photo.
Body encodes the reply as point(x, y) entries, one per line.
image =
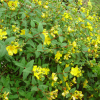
point(48, 52)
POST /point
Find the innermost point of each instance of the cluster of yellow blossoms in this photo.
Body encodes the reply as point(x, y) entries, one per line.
point(40, 72)
point(22, 32)
point(53, 94)
point(37, 1)
point(89, 26)
point(13, 48)
point(65, 93)
point(13, 4)
point(3, 34)
point(5, 96)
point(58, 55)
point(67, 16)
point(80, 2)
point(15, 29)
point(77, 95)
point(76, 71)
point(85, 84)
point(54, 30)
point(44, 15)
point(54, 78)
point(47, 38)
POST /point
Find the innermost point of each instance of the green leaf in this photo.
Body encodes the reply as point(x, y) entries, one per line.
point(59, 31)
point(14, 89)
point(37, 54)
point(70, 76)
point(66, 70)
point(77, 86)
point(17, 83)
point(23, 61)
point(60, 72)
point(24, 23)
point(64, 44)
point(83, 15)
point(72, 90)
point(23, 15)
point(2, 9)
point(30, 64)
point(65, 74)
point(6, 89)
point(42, 36)
point(31, 43)
point(33, 80)
point(61, 39)
point(28, 35)
point(34, 88)
point(2, 49)
point(21, 65)
point(29, 94)
point(39, 61)
point(9, 40)
point(68, 95)
point(21, 92)
point(8, 31)
point(44, 98)
point(40, 27)
point(42, 87)
point(39, 47)
point(32, 23)
point(28, 69)
point(13, 96)
point(3, 79)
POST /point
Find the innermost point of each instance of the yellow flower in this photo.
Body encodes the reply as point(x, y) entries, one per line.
point(52, 84)
point(80, 2)
point(53, 94)
point(76, 71)
point(5, 96)
point(12, 49)
point(83, 9)
point(3, 34)
point(15, 29)
point(66, 15)
point(54, 77)
point(58, 55)
point(65, 93)
point(65, 78)
point(40, 72)
point(74, 44)
point(45, 6)
point(74, 80)
point(85, 83)
point(2, 0)
point(39, 2)
point(77, 95)
point(47, 40)
point(67, 85)
point(66, 57)
point(67, 65)
point(55, 32)
point(43, 15)
point(13, 4)
point(22, 32)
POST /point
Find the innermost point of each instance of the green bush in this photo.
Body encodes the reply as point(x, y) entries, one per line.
point(96, 6)
point(48, 52)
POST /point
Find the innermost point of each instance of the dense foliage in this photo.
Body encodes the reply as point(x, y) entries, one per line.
point(49, 50)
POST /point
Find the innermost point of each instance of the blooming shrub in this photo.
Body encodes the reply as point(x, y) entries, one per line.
point(48, 52)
